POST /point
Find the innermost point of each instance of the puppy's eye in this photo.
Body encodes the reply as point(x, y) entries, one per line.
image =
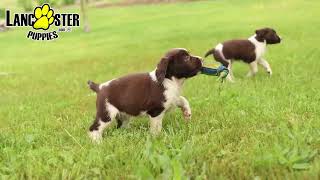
point(186, 58)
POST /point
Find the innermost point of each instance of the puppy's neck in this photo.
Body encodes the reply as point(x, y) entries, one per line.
point(177, 81)
point(173, 83)
point(260, 47)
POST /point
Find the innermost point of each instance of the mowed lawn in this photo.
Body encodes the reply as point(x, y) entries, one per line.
point(263, 128)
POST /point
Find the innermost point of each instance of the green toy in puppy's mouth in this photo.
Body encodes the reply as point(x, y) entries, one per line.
point(222, 72)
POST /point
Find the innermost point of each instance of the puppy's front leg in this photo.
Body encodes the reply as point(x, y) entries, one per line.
point(253, 69)
point(156, 124)
point(264, 63)
point(230, 76)
point(183, 104)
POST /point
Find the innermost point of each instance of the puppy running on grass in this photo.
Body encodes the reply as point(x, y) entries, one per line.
point(149, 94)
point(250, 51)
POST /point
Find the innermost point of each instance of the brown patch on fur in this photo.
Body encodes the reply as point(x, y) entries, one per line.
point(239, 50)
point(133, 94)
point(162, 69)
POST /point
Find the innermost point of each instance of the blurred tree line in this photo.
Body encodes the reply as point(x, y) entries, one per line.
point(28, 5)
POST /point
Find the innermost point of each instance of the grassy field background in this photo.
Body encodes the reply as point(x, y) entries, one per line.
point(262, 128)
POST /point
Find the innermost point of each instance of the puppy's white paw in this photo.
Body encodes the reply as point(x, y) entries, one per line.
point(95, 136)
point(187, 113)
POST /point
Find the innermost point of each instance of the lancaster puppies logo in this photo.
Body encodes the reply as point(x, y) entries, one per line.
point(43, 19)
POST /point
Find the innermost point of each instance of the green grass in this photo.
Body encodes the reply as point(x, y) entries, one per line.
point(262, 127)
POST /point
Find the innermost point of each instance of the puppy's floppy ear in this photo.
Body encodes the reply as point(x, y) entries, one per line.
point(162, 69)
point(260, 34)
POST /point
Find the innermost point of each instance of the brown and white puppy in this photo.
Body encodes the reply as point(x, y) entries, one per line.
point(150, 93)
point(250, 51)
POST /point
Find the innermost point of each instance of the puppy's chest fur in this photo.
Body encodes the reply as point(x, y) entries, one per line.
point(260, 47)
point(172, 92)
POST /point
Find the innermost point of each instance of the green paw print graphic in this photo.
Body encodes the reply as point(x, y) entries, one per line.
point(44, 17)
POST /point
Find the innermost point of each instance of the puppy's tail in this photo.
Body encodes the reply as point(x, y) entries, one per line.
point(211, 51)
point(93, 86)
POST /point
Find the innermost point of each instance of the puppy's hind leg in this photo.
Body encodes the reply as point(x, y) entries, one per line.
point(104, 117)
point(253, 69)
point(218, 56)
point(230, 76)
point(122, 120)
point(96, 129)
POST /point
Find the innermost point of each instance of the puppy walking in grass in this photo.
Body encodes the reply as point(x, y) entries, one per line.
point(149, 94)
point(250, 51)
